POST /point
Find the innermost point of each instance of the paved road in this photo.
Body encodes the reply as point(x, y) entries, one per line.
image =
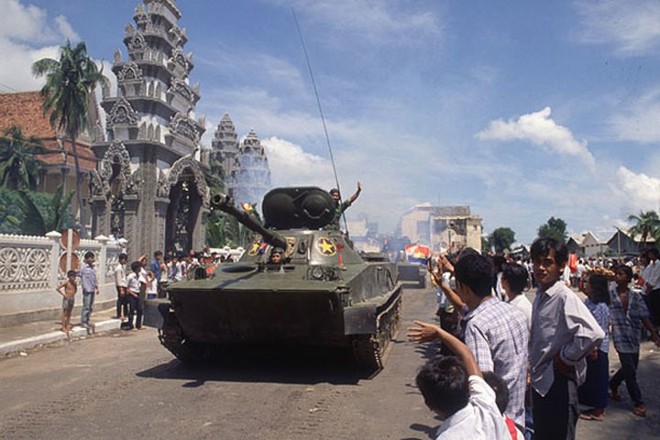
point(125, 385)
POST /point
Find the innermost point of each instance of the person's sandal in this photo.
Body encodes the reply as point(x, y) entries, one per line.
point(639, 411)
point(614, 395)
point(587, 415)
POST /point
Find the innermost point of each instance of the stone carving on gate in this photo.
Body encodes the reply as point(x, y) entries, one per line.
point(122, 113)
point(130, 72)
point(200, 182)
point(183, 126)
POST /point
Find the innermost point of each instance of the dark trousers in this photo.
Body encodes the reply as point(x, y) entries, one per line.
point(122, 304)
point(628, 372)
point(135, 305)
point(556, 413)
point(654, 306)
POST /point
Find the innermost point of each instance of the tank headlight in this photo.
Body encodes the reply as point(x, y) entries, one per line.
point(317, 273)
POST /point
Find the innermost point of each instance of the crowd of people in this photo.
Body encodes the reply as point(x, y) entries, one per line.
point(544, 361)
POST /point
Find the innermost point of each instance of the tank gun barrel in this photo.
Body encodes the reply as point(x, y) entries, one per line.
point(225, 204)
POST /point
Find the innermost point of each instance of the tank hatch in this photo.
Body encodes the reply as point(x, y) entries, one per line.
point(298, 208)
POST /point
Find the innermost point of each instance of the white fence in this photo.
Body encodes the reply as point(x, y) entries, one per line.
point(30, 271)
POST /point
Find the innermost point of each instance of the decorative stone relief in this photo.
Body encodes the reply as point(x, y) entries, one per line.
point(179, 86)
point(183, 126)
point(188, 162)
point(130, 72)
point(122, 114)
point(29, 267)
point(163, 185)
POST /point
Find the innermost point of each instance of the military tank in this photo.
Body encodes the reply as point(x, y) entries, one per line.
point(321, 293)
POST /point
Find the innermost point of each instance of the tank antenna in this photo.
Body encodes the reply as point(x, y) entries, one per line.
point(318, 102)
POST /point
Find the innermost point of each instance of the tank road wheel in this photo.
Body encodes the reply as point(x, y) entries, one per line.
point(369, 350)
point(368, 354)
point(173, 338)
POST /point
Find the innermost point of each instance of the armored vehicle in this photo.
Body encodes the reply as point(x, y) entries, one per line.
point(319, 292)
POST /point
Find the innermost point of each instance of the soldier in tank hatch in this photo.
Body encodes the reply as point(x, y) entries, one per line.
point(342, 206)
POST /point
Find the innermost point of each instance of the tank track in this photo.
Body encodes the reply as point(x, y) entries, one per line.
point(172, 337)
point(369, 350)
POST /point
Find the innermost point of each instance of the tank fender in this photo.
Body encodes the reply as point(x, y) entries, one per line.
point(360, 320)
point(155, 311)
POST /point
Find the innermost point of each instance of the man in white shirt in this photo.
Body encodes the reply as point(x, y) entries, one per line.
point(563, 333)
point(120, 284)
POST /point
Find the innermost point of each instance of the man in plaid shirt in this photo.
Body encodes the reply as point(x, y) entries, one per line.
point(495, 331)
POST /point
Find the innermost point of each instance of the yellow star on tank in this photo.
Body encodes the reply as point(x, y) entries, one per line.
point(326, 247)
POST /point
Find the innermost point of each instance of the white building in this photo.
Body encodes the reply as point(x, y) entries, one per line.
point(442, 227)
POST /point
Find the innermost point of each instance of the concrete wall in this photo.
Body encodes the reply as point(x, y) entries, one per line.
point(30, 270)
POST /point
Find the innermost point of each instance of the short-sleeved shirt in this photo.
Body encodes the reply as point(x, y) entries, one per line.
point(133, 281)
point(478, 420)
point(497, 335)
point(627, 327)
point(120, 275)
point(601, 313)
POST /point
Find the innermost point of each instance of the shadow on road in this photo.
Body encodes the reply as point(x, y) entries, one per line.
point(265, 364)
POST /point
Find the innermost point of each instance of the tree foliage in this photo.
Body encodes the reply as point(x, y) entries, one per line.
point(34, 213)
point(647, 224)
point(70, 81)
point(39, 218)
point(19, 168)
point(554, 228)
point(502, 239)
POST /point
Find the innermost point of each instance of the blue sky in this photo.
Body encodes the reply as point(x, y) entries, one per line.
point(522, 110)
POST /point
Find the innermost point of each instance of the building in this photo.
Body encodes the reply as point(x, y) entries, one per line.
point(25, 110)
point(442, 227)
point(592, 246)
point(624, 245)
point(149, 170)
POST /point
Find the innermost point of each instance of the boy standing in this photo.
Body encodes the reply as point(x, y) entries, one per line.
point(454, 388)
point(627, 313)
point(120, 284)
point(68, 298)
point(90, 289)
point(563, 333)
point(135, 286)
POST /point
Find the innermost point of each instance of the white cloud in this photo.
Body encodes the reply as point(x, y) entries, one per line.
point(375, 21)
point(631, 26)
point(290, 165)
point(639, 121)
point(541, 130)
point(27, 35)
point(641, 192)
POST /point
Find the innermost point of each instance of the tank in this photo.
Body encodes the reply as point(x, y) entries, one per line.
point(323, 293)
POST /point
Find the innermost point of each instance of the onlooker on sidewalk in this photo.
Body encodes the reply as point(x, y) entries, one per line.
point(628, 312)
point(514, 281)
point(593, 392)
point(563, 333)
point(453, 387)
point(90, 288)
point(68, 298)
point(120, 284)
point(136, 286)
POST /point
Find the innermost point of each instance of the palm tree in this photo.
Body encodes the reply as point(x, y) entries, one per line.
point(647, 224)
point(39, 220)
point(19, 168)
point(70, 82)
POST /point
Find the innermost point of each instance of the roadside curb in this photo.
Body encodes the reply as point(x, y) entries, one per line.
point(76, 332)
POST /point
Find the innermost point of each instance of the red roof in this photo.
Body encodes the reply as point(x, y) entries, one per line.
point(25, 110)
